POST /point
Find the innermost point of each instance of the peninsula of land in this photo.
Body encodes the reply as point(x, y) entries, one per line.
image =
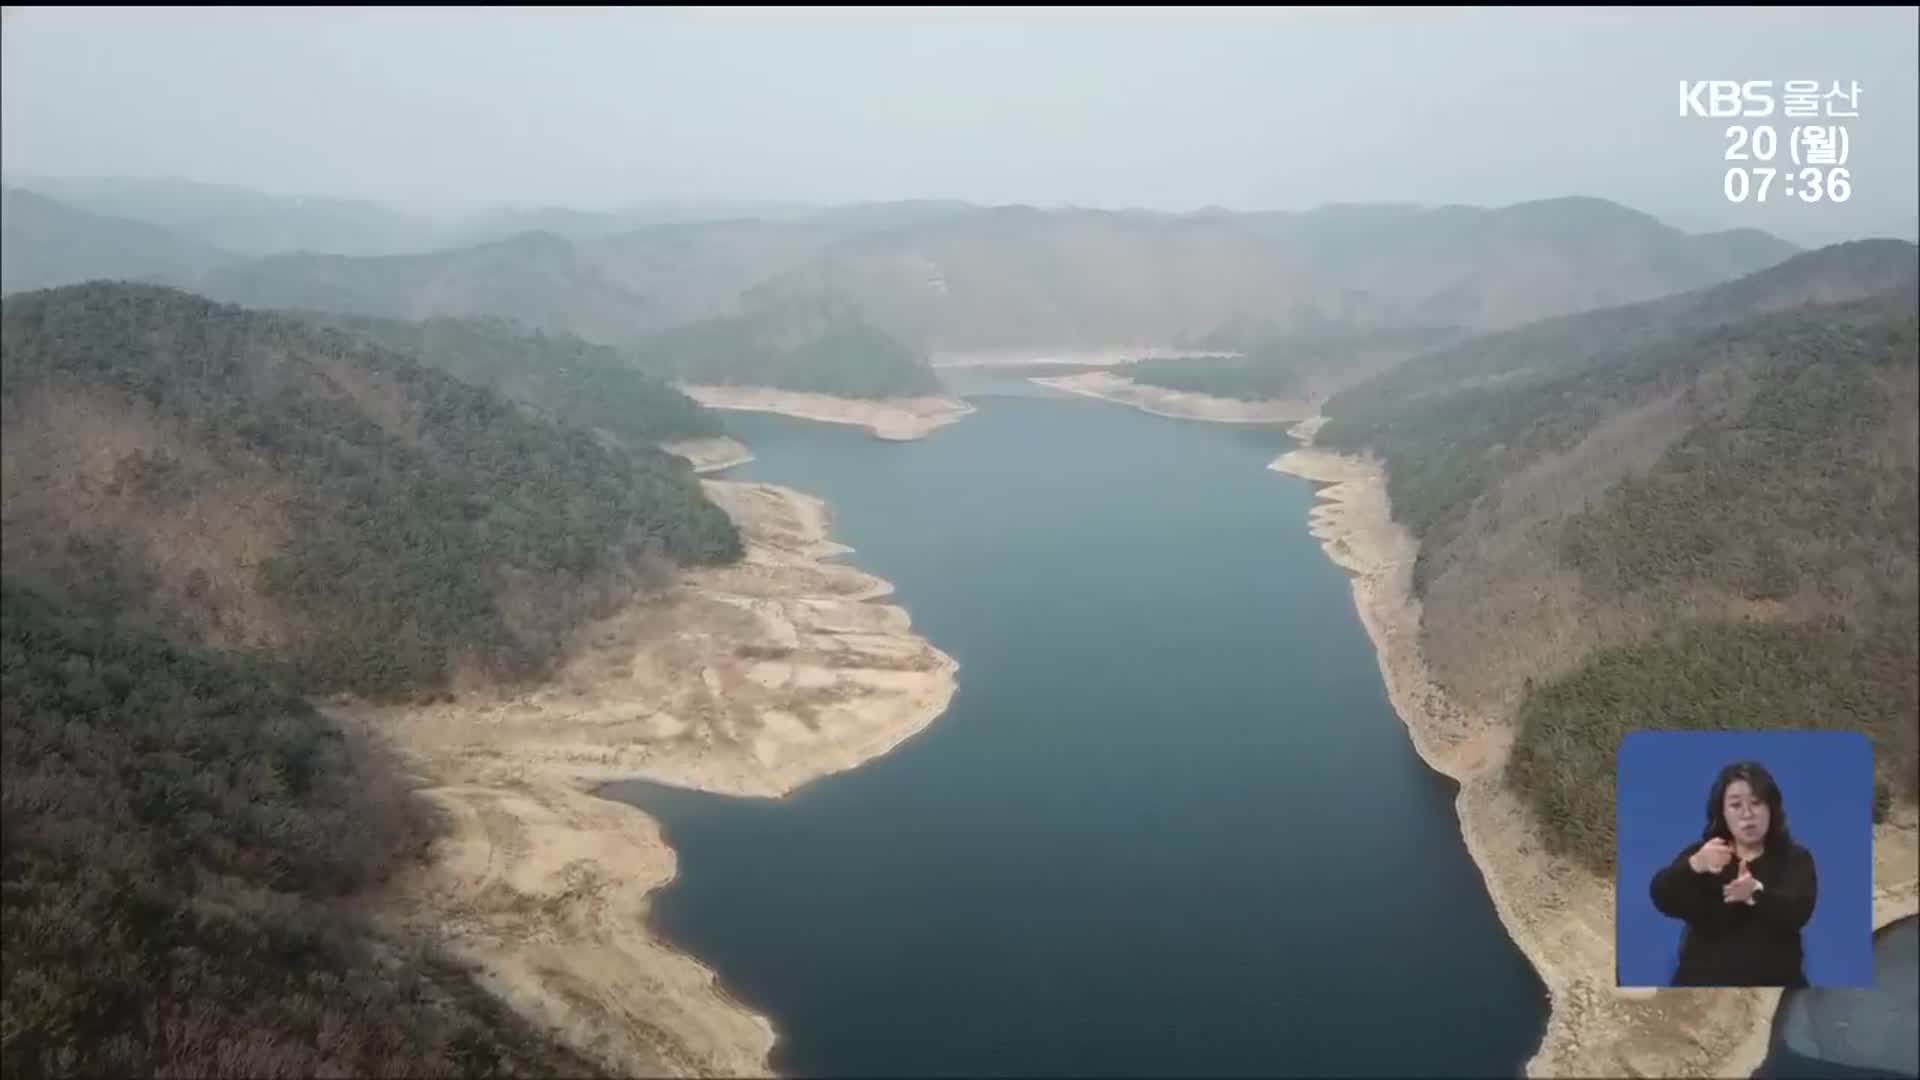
point(751, 680)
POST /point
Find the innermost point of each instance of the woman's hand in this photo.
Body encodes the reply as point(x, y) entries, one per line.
point(1741, 889)
point(1712, 857)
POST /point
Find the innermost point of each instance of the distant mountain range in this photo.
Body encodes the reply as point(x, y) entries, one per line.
point(1809, 226)
point(939, 276)
point(245, 222)
point(44, 243)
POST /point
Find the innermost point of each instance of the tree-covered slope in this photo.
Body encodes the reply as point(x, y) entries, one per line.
point(1450, 421)
point(1802, 508)
point(1701, 512)
point(810, 342)
point(576, 382)
point(369, 522)
point(181, 851)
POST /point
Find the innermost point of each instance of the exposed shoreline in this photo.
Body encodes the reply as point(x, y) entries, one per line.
point(746, 680)
point(1176, 404)
point(762, 677)
point(712, 454)
point(888, 418)
point(1089, 356)
point(1559, 916)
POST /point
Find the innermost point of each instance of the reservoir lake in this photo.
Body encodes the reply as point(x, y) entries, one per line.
point(1169, 825)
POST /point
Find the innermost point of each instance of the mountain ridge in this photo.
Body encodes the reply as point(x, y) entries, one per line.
point(942, 276)
point(1660, 487)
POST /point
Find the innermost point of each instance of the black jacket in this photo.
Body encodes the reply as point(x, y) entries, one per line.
point(1737, 944)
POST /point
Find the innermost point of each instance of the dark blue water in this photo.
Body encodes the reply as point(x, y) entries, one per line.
point(1868, 1033)
point(1169, 825)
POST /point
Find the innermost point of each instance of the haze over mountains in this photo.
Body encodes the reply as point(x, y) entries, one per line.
point(247, 222)
point(44, 243)
point(939, 276)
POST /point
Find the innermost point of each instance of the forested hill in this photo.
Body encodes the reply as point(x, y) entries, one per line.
point(1454, 420)
point(357, 519)
point(1698, 512)
point(811, 342)
point(183, 847)
point(576, 382)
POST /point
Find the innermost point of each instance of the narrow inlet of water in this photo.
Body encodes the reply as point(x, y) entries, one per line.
point(1170, 824)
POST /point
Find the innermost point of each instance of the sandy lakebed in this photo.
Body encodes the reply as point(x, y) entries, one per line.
point(888, 418)
point(1076, 355)
point(1177, 404)
point(748, 680)
point(1559, 915)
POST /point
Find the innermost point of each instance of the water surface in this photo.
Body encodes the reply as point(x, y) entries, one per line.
point(1840, 1032)
point(1170, 824)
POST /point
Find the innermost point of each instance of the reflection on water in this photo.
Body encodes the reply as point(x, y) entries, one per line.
point(1840, 1033)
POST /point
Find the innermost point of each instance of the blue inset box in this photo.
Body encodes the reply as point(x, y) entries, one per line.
point(1710, 891)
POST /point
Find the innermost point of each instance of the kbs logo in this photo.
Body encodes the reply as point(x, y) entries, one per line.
point(1725, 97)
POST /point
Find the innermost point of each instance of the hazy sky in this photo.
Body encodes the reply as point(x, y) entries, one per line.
point(450, 109)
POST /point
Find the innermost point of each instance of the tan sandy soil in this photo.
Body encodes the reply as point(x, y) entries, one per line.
point(751, 679)
point(888, 418)
point(1066, 354)
point(1179, 404)
point(710, 455)
point(1560, 915)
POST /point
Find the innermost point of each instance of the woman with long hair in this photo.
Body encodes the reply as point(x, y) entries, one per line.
point(1744, 889)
